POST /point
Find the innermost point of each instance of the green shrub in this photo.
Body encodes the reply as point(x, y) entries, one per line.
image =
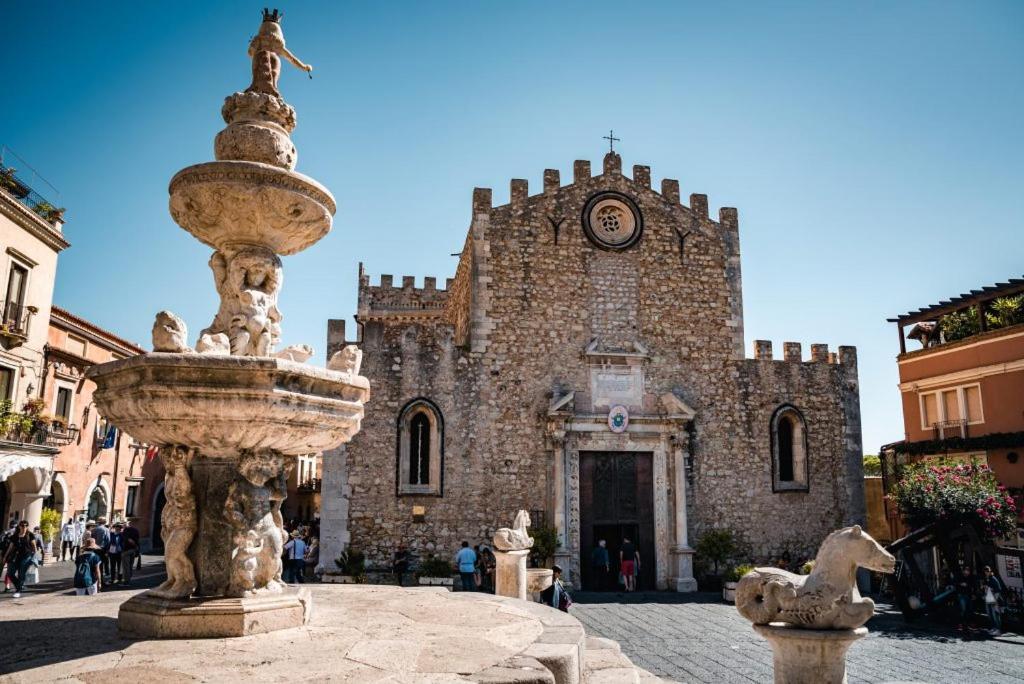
point(735, 573)
point(960, 324)
point(1005, 311)
point(545, 541)
point(49, 523)
point(807, 567)
point(352, 563)
point(717, 546)
point(435, 567)
point(872, 465)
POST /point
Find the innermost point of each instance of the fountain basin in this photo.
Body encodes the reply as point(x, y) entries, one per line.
point(227, 203)
point(223, 404)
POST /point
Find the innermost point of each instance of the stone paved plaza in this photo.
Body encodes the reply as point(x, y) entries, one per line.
point(698, 638)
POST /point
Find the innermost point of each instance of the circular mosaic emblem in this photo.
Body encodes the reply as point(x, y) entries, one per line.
point(618, 418)
point(612, 220)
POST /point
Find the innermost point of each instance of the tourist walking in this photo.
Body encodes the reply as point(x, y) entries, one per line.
point(556, 596)
point(600, 563)
point(487, 565)
point(19, 556)
point(115, 552)
point(68, 540)
point(629, 562)
point(295, 553)
point(966, 591)
point(400, 564)
point(88, 569)
point(100, 534)
point(466, 560)
point(993, 594)
point(130, 549)
point(312, 556)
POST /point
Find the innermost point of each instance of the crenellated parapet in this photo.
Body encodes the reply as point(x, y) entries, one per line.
point(792, 352)
point(519, 190)
point(401, 299)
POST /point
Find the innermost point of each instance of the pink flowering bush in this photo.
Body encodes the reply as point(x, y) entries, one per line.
point(966, 493)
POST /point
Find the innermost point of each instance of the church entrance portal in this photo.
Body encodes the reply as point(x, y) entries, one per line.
point(617, 501)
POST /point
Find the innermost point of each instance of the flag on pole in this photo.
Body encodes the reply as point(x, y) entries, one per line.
point(108, 443)
point(151, 452)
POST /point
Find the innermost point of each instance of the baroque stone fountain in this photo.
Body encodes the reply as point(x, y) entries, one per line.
point(230, 414)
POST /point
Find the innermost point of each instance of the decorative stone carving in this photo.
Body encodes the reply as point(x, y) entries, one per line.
point(825, 599)
point(516, 538)
point(253, 509)
point(213, 344)
point(178, 524)
point(266, 49)
point(349, 360)
point(170, 334)
point(234, 407)
point(248, 282)
point(300, 353)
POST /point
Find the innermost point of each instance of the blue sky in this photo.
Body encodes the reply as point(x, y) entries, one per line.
point(874, 149)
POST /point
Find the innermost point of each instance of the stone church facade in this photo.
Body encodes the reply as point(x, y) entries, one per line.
point(586, 363)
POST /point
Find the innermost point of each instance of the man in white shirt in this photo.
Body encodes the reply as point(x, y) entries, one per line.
point(68, 540)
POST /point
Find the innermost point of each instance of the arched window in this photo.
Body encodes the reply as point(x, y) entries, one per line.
point(789, 450)
point(420, 449)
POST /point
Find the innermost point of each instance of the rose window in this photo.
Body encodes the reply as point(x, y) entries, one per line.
point(612, 220)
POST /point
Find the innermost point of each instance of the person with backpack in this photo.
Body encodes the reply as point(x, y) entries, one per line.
point(556, 596)
point(20, 554)
point(101, 535)
point(88, 569)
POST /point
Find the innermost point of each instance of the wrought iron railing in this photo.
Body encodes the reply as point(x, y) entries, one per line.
point(16, 184)
point(15, 320)
point(54, 435)
point(950, 428)
point(313, 484)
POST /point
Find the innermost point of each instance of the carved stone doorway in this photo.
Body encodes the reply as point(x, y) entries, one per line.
point(617, 501)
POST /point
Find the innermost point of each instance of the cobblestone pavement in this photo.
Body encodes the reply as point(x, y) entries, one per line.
point(699, 638)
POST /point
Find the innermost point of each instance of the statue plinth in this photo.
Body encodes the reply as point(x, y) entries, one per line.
point(230, 414)
point(510, 573)
point(809, 656)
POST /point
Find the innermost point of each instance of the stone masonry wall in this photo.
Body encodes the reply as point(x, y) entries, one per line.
point(537, 292)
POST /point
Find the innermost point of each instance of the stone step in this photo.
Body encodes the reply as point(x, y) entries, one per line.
point(604, 663)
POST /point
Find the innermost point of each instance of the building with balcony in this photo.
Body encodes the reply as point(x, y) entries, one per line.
point(31, 238)
point(303, 502)
point(963, 393)
point(99, 470)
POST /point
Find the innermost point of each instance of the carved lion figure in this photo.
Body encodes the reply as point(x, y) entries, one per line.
point(170, 334)
point(825, 599)
point(516, 538)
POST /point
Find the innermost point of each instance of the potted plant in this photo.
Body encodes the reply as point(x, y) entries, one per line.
point(716, 547)
point(49, 526)
point(351, 568)
point(436, 572)
point(732, 576)
point(545, 541)
point(11, 184)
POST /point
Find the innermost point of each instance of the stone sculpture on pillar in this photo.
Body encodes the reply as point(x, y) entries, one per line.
point(811, 620)
point(177, 524)
point(511, 547)
point(231, 413)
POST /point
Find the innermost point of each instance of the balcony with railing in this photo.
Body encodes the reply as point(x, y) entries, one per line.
point(310, 486)
point(950, 428)
point(22, 185)
point(15, 322)
point(50, 436)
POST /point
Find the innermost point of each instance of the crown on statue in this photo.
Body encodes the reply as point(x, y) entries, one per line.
point(274, 16)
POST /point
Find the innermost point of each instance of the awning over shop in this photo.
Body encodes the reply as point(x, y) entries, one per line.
point(13, 462)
